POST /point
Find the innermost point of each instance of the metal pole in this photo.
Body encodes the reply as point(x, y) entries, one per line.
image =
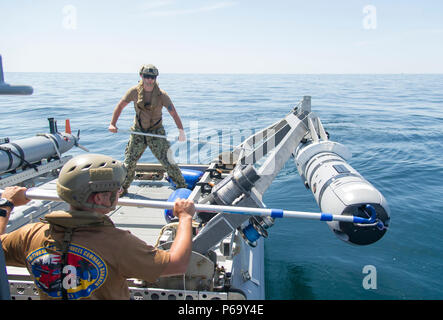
point(191, 140)
point(35, 193)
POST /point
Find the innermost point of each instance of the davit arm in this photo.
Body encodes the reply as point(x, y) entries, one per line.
point(337, 187)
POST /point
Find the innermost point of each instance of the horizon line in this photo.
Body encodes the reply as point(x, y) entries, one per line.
point(237, 73)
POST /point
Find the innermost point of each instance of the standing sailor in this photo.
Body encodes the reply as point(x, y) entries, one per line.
point(148, 101)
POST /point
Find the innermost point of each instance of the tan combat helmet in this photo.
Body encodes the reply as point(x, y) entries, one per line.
point(88, 173)
point(149, 69)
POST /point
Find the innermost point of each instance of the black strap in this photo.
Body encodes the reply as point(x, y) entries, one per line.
point(21, 156)
point(20, 151)
point(155, 124)
point(147, 130)
point(65, 248)
point(8, 152)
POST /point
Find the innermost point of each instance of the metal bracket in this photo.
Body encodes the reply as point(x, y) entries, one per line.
point(28, 174)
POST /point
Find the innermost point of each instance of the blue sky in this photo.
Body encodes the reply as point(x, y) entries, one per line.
point(222, 36)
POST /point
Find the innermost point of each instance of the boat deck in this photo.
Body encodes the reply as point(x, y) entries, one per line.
point(145, 223)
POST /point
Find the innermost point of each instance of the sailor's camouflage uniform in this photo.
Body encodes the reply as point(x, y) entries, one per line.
point(160, 149)
point(148, 119)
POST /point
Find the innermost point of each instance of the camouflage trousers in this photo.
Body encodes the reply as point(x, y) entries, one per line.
point(160, 148)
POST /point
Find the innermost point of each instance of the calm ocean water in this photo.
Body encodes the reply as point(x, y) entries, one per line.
point(392, 124)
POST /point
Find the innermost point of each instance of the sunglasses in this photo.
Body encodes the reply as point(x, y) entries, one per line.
point(148, 76)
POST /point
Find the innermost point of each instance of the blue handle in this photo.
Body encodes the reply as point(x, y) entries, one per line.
point(372, 219)
point(373, 215)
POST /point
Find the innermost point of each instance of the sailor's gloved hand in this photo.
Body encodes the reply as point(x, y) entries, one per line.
point(184, 208)
point(16, 195)
point(112, 128)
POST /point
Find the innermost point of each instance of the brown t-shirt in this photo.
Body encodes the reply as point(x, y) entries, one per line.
point(100, 259)
point(150, 115)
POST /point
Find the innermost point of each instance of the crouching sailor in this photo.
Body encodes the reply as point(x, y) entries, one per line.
point(80, 254)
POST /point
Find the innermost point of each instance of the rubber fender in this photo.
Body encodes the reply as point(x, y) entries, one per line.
point(191, 177)
point(181, 193)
